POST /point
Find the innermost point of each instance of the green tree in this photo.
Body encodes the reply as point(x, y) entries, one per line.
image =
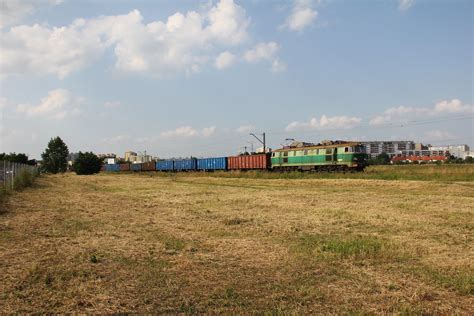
point(55, 156)
point(14, 157)
point(87, 163)
point(382, 159)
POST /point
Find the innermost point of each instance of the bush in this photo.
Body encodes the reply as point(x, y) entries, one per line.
point(382, 159)
point(86, 163)
point(24, 179)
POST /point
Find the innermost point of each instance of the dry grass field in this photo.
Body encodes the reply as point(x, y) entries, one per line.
point(190, 244)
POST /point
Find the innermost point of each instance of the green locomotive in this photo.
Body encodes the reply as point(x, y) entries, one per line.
point(322, 157)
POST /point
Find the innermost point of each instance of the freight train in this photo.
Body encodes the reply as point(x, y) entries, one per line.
point(334, 156)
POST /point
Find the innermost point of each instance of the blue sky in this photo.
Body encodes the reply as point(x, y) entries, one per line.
point(180, 78)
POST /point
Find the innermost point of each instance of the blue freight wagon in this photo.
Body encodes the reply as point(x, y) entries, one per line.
point(212, 164)
point(136, 167)
point(184, 164)
point(164, 165)
point(112, 167)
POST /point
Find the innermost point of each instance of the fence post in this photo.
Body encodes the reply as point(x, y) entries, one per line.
point(13, 176)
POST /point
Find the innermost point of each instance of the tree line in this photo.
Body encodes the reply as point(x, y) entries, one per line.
point(17, 158)
point(54, 159)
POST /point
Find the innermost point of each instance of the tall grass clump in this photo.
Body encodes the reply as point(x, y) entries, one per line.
point(24, 179)
point(3, 194)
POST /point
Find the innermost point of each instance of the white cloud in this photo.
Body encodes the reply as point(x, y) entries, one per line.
point(185, 131)
point(188, 131)
point(405, 4)
point(225, 60)
point(208, 131)
point(228, 22)
point(325, 122)
point(261, 51)
point(455, 106)
point(245, 129)
point(380, 120)
point(112, 104)
point(278, 66)
point(58, 104)
point(265, 52)
point(401, 110)
point(12, 11)
point(302, 16)
point(42, 50)
point(182, 43)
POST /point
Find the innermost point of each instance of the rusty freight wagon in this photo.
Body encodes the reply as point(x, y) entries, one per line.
point(124, 167)
point(249, 162)
point(148, 166)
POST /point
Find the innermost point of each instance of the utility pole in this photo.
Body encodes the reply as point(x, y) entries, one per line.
point(261, 141)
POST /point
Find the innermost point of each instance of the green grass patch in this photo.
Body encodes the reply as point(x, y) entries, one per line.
point(345, 247)
point(462, 280)
point(359, 246)
point(174, 244)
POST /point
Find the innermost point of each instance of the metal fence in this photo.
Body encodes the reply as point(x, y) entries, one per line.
point(10, 171)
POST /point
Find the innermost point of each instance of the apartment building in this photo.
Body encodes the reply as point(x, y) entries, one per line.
point(391, 148)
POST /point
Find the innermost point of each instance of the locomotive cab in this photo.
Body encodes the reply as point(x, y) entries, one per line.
point(359, 157)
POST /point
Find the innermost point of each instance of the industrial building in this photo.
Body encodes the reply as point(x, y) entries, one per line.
point(133, 157)
point(130, 156)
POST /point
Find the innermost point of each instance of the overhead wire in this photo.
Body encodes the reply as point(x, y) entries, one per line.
point(232, 138)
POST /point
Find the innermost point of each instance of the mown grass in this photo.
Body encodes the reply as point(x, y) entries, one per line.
point(208, 244)
point(447, 172)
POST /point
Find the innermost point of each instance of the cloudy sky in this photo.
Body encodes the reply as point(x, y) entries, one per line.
point(179, 78)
